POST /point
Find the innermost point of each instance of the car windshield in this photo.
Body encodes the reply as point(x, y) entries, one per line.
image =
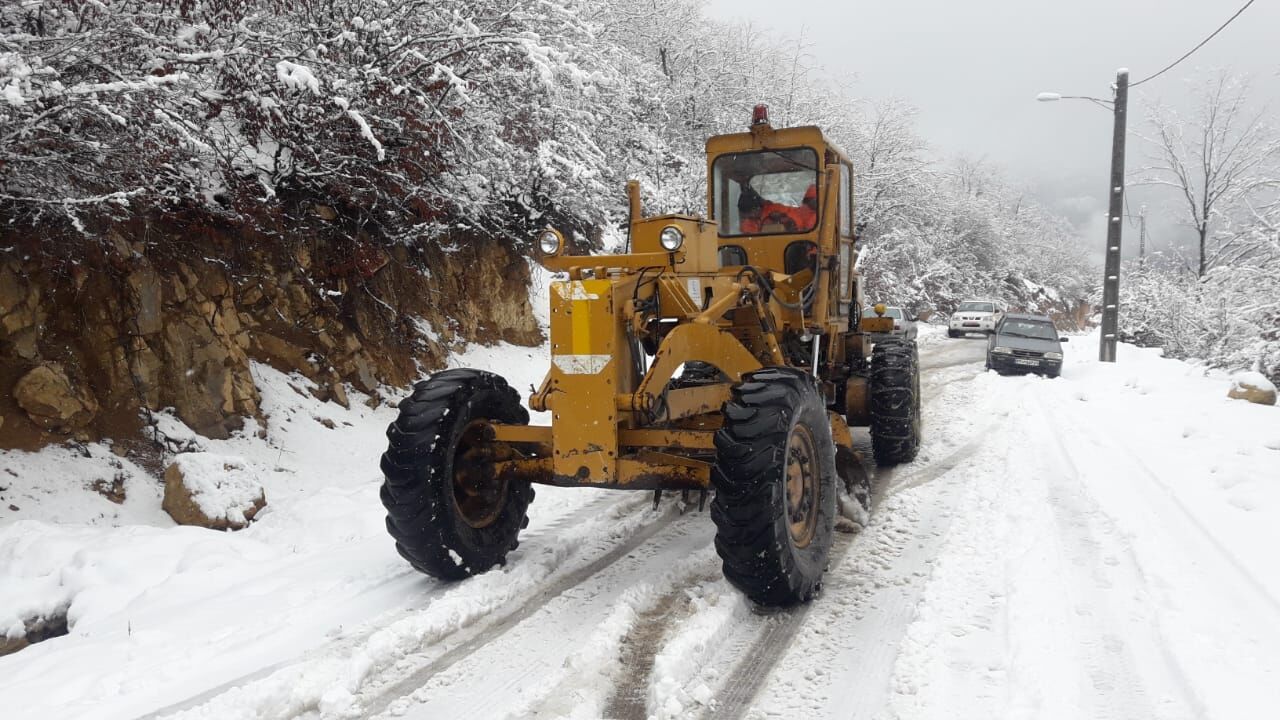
point(976, 307)
point(766, 193)
point(893, 312)
point(1029, 329)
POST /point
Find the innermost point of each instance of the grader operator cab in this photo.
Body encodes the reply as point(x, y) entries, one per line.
point(725, 354)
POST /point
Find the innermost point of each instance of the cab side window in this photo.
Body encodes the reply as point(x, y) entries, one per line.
point(798, 256)
point(732, 255)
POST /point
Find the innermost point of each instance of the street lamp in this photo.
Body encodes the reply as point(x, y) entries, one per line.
point(1111, 273)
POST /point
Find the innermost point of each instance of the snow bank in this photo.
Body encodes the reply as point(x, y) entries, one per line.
point(159, 612)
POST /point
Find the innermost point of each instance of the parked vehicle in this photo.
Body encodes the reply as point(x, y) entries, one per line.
point(975, 316)
point(904, 325)
point(1025, 343)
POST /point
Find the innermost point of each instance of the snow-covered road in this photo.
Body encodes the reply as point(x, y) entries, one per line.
point(1096, 546)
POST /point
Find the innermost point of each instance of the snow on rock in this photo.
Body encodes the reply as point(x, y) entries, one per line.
point(220, 492)
point(1252, 386)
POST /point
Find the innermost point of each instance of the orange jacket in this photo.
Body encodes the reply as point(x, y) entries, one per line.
point(793, 219)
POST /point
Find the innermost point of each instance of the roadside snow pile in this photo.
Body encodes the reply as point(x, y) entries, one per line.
point(929, 335)
point(213, 491)
point(158, 613)
point(94, 576)
point(1171, 422)
point(1088, 577)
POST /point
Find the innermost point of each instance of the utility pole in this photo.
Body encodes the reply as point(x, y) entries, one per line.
point(1142, 234)
point(1111, 273)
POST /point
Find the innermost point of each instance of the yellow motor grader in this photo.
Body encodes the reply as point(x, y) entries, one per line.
point(725, 354)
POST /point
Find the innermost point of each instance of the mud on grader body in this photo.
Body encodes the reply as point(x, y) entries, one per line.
point(724, 354)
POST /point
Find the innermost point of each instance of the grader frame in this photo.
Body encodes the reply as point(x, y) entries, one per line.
point(615, 427)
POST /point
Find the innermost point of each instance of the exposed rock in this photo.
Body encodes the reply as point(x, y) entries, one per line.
point(144, 291)
point(218, 492)
point(251, 295)
point(34, 631)
point(281, 353)
point(1254, 387)
point(179, 324)
point(20, 309)
point(51, 401)
point(338, 394)
point(207, 379)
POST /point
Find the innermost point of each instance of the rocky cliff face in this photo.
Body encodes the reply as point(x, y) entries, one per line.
point(94, 333)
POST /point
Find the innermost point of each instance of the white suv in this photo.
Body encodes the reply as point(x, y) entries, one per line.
point(975, 316)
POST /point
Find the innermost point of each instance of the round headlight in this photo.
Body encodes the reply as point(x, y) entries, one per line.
point(549, 242)
point(671, 238)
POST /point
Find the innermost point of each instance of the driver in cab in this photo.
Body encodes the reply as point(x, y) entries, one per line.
point(760, 215)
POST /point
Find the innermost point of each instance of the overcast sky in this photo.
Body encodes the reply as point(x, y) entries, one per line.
point(974, 68)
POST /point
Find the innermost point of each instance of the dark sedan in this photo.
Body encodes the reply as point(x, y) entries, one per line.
point(1025, 343)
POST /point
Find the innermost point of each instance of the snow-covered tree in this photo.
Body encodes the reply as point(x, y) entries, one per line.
point(1220, 162)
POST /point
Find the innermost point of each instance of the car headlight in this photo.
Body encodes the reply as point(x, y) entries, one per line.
point(1002, 350)
point(671, 238)
point(550, 242)
point(1052, 356)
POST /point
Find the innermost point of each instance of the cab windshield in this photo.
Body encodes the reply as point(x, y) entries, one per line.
point(976, 307)
point(772, 192)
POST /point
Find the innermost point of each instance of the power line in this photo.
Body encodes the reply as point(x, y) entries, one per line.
point(1192, 50)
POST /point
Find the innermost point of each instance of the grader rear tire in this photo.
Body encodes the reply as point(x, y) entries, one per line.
point(449, 517)
point(895, 402)
point(775, 483)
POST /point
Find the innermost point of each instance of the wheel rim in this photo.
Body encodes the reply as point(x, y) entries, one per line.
point(802, 487)
point(479, 493)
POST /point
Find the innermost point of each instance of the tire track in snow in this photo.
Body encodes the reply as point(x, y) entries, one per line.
point(1241, 584)
point(870, 598)
point(494, 631)
point(421, 600)
point(511, 674)
point(640, 646)
point(1172, 501)
point(1100, 589)
point(775, 638)
point(418, 600)
point(254, 688)
point(934, 470)
point(734, 698)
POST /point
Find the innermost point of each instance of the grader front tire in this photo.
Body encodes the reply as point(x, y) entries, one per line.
point(775, 483)
point(450, 519)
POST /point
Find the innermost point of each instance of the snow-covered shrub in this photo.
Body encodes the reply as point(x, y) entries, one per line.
point(1230, 318)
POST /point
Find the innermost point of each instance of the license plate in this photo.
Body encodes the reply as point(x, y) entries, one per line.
point(1020, 361)
point(971, 324)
